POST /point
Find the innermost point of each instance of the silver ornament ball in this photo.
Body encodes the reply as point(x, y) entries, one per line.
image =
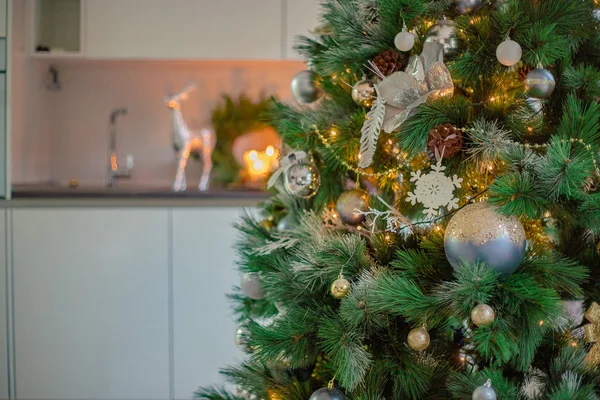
point(285, 224)
point(485, 392)
point(363, 92)
point(250, 285)
point(540, 83)
point(467, 6)
point(349, 203)
point(479, 233)
point(404, 41)
point(327, 394)
point(302, 180)
point(306, 87)
point(443, 32)
point(509, 53)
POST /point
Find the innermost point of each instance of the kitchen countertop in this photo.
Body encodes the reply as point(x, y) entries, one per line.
point(42, 195)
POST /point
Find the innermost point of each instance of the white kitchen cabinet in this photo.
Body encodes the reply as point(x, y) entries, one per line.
point(302, 16)
point(184, 29)
point(91, 303)
point(56, 25)
point(203, 272)
point(3, 310)
point(3, 17)
point(3, 130)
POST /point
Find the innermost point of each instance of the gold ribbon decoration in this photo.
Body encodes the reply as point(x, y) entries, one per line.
point(592, 333)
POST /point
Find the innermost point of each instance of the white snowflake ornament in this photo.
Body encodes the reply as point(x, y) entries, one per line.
point(434, 190)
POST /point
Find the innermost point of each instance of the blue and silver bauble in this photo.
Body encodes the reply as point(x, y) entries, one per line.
point(540, 83)
point(479, 233)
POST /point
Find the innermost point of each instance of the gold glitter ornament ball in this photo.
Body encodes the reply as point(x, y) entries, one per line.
point(340, 288)
point(483, 315)
point(479, 233)
point(418, 339)
point(350, 202)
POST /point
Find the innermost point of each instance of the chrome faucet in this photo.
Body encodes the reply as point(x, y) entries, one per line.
point(114, 172)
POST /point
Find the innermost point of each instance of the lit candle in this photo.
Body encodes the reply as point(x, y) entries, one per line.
point(259, 163)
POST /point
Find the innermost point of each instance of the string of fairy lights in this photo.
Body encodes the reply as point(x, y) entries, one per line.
point(394, 171)
point(390, 172)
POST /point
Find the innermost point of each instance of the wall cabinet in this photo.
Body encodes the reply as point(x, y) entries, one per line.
point(91, 303)
point(56, 27)
point(169, 29)
point(196, 29)
point(3, 17)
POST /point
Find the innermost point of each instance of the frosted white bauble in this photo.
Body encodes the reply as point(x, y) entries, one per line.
point(404, 41)
point(509, 53)
point(250, 285)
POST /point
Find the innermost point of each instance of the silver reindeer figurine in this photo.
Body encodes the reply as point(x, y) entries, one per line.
point(185, 142)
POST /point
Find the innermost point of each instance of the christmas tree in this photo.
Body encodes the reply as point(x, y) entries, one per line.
point(434, 231)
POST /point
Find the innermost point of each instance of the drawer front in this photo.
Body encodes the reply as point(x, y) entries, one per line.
point(2, 135)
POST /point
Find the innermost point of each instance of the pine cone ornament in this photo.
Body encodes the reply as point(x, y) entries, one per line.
point(445, 139)
point(523, 70)
point(389, 61)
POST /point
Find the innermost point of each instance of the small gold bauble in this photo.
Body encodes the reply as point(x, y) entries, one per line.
point(598, 248)
point(350, 202)
point(363, 93)
point(483, 315)
point(340, 288)
point(418, 339)
point(268, 224)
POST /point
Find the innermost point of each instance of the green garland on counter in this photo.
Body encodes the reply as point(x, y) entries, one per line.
point(230, 119)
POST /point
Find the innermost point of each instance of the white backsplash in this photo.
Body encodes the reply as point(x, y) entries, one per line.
point(63, 135)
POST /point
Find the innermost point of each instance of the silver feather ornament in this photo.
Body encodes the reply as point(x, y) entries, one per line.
point(371, 130)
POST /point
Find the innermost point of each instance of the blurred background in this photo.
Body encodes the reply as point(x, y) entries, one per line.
point(131, 139)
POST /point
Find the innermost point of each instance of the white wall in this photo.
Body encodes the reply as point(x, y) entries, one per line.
point(30, 103)
point(64, 135)
point(90, 90)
